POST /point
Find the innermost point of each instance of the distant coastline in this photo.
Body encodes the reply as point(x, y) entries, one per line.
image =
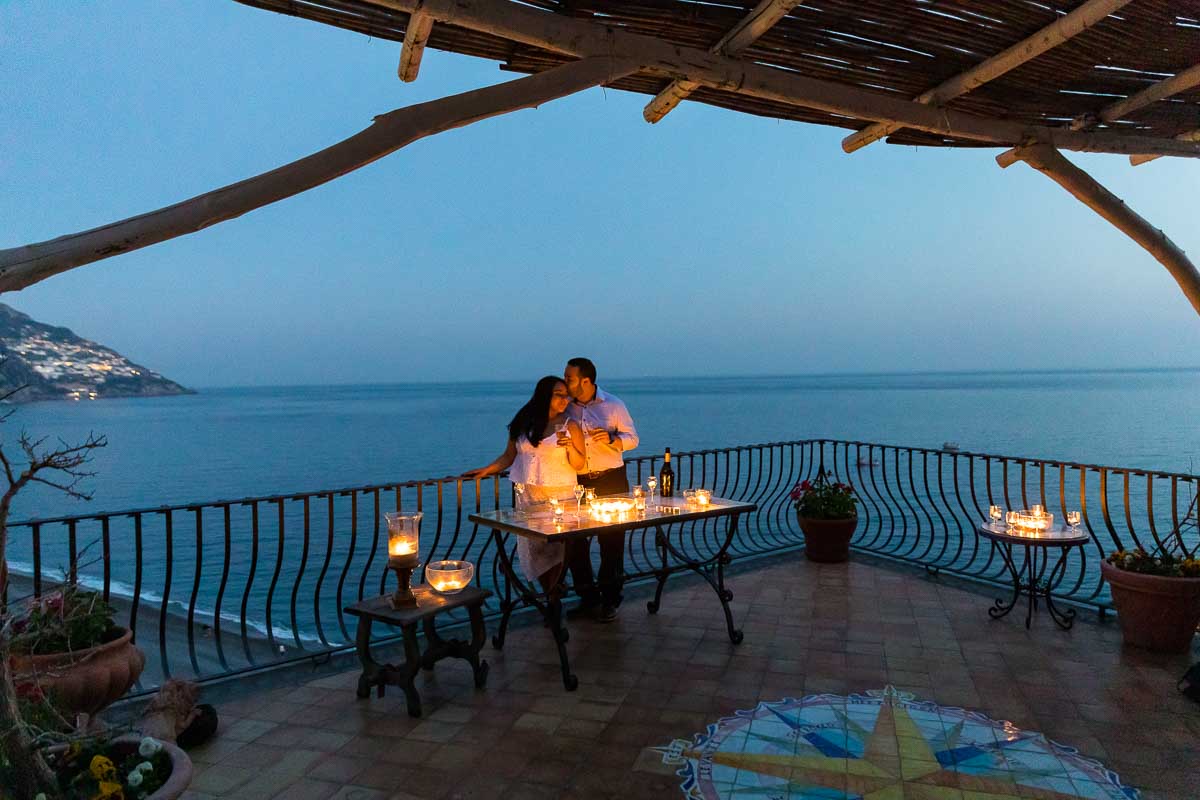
point(45, 362)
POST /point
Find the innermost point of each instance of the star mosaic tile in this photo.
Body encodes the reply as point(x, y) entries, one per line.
point(882, 745)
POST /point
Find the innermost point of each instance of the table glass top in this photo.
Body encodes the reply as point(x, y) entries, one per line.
point(1060, 534)
point(540, 519)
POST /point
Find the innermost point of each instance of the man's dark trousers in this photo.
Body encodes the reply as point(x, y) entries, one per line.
point(612, 548)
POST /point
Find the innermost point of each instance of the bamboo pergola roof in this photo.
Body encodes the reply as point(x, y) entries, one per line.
point(1036, 78)
point(898, 48)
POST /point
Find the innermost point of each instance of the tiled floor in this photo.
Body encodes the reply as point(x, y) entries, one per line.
point(648, 681)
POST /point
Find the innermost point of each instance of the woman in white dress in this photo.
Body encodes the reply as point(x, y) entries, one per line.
point(544, 453)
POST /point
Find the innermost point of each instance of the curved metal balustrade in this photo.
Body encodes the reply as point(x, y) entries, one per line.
point(216, 589)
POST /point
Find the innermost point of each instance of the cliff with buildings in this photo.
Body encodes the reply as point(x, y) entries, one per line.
point(52, 363)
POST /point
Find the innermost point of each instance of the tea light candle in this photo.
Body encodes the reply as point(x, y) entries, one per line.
point(703, 497)
point(449, 577)
point(400, 547)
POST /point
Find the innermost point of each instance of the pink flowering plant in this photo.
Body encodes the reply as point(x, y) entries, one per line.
point(823, 499)
point(62, 621)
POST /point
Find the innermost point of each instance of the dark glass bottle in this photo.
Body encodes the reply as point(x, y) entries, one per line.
point(666, 476)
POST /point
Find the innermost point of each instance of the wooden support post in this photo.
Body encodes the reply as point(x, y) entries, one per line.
point(415, 37)
point(760, 20)
point(1025, 50)
point(24, 266)
point(1086, 189)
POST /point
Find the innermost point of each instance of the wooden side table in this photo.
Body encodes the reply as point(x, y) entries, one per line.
point(429, 605)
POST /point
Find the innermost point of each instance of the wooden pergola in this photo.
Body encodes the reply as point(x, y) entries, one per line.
point(1032, 78)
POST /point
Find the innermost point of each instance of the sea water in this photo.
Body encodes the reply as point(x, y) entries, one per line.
point(229, 443)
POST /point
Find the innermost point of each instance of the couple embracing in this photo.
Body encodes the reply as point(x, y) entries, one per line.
point(570, 432)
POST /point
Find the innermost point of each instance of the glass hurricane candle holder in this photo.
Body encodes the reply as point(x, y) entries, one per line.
point(1033, 520)
point(404, 547)
point(702, 497)
point(449, 577)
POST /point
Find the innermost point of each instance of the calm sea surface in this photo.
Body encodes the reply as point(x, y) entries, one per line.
point(230, 443)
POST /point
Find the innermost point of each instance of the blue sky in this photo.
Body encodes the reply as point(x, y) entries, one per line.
point(711, 243)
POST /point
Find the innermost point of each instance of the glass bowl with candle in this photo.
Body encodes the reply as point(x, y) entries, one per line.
point(449, 577)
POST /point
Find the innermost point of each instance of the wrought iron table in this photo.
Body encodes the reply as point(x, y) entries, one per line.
point(429, 605)
point(1005, 540)
point(541, 525)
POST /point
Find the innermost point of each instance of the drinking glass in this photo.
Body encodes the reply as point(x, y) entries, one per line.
point(1073, 519)
point(589, 494)
point(651, 485)
point(579, 492)
point(519, 488)
point(996, 513)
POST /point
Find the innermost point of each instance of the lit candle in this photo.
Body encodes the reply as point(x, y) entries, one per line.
point(400, 547)
point(703, 497)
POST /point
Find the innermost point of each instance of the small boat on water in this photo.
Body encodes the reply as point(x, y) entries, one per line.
point(950, 447)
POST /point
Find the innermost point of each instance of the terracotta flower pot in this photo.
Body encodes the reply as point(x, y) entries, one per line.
point(181, 765)
point(85, 680)
point(827, 541)
point(1156, 612)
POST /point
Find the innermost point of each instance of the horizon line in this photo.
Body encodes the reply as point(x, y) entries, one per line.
point(756, 376)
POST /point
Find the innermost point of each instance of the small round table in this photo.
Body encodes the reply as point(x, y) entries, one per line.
point(1037, 543)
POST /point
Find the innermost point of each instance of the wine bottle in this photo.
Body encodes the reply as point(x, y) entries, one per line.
point(666, 476)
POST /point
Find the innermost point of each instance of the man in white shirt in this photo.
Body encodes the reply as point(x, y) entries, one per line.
point(609, 432)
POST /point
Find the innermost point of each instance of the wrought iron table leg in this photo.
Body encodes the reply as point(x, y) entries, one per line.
point(661, 574)
point(549, 605)
point(479, 668)
point(705, 569)
point(1064, 619)
point(506, 604)
point(1032, 587)
point(1001, 608)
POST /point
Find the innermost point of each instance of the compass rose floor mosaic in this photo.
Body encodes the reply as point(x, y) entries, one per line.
point(881, 745)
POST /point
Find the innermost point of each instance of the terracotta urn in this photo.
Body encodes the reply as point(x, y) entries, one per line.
point(85, 680)
point(125, 746)
point(1156, 612)
point(827, 541)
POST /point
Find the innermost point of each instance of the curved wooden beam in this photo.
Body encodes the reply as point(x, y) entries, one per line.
point(24, 266)
point(1051, 163)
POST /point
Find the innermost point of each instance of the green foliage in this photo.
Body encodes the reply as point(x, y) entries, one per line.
point(99, 769)
point(61, 622)
point(821, 499)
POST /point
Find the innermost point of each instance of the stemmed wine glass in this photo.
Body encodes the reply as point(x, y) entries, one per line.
point(1073, 519)
point(579, 492)
point(651, 485)
point(996, 513)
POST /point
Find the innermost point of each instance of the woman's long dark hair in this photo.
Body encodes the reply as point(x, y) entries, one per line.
point(530, 421)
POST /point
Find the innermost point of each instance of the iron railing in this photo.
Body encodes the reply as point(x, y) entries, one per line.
point(217, 589)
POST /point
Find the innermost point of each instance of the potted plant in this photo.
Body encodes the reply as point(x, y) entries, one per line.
point(121, 768)
point(67, 644)
point(1157, 595)
point(828, 514)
